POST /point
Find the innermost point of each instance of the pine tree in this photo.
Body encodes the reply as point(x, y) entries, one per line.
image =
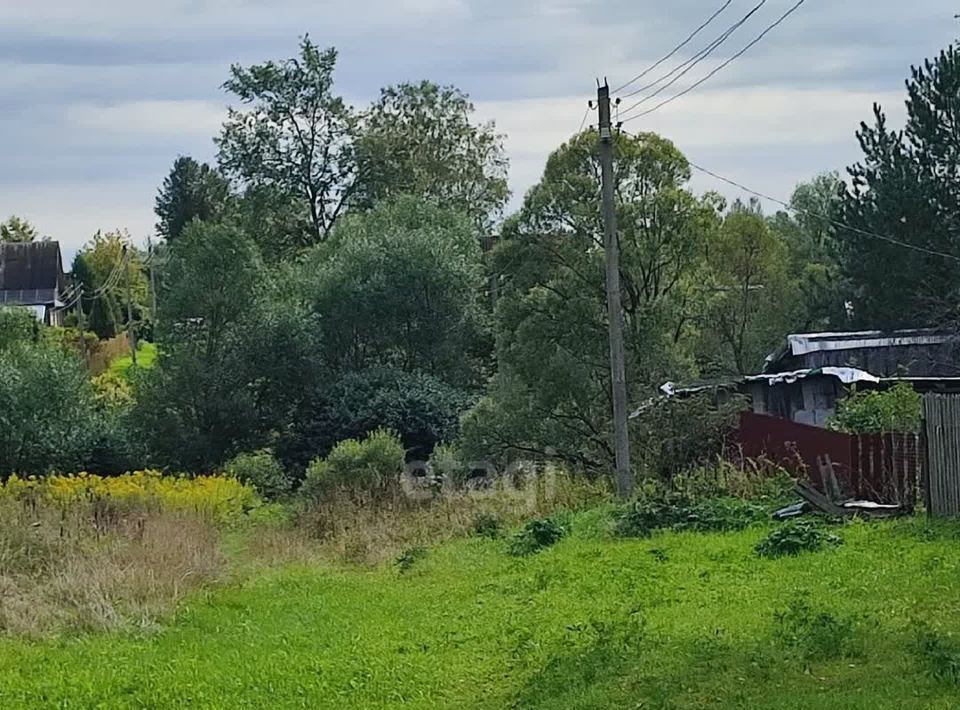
point(907, 188)
point(191, 191)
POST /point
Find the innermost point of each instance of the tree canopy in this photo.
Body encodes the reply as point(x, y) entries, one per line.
point(293, 133)
point(419, 139)
point(191, 191)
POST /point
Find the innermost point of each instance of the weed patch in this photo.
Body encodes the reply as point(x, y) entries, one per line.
point(677, 512)
point(795, 537)
point(410, 557)
point(536, 536)
point(938, 654)
point(816, 634)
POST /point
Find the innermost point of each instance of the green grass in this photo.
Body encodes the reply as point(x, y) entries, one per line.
point(678, 620)
point(146, 358)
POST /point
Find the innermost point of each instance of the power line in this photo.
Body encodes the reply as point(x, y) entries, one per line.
point(676, 49)
point(693, 61)
point(583, 121)
point(736, 56)
point(835, 223)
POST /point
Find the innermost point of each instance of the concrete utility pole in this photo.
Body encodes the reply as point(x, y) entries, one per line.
point(131, 336)
point(151, 257)
point(611, 245)
point(82, 325)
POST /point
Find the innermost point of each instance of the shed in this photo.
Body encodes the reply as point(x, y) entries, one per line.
point(901, 353)
point(32, 277)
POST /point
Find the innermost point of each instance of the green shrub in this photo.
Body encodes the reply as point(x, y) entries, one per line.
point(371, 464)
point(817, 635)
point(675, 511)
point(446, 463)
point(794, 537)
point(537, 535)
point(486, 525)
point(939, 655)
point(872, 412)
point(262, 471)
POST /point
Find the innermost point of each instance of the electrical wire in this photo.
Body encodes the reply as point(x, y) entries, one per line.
point(689, 64)
point(736, 56)
point(827, 218)
point(583, 121)
point(676, 49)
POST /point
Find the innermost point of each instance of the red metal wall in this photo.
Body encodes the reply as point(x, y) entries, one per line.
point(883, 468)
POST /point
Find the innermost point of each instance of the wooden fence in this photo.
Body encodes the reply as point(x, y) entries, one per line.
point(941, 417)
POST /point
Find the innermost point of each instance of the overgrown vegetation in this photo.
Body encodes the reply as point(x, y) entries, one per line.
point(588, 624)
point(536, 536)
point(898, 409)
point(795, 537)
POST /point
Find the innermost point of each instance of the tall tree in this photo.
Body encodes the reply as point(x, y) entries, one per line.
point(398, 287)
point(103, 256)
point(753, 300)
point(552, 388)
point(907, 188)
point(16, 229)
point(191, 191)
point(294, 133)
point(101, 309)
point(219, 387)
point(809, 232)
point(420, 139)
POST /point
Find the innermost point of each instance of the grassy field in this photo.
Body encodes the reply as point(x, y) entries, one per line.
point(146, 357)
point(678, 620)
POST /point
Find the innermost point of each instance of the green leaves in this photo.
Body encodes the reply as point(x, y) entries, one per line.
point(295, 134)
point(418, 139)
point(898, 409)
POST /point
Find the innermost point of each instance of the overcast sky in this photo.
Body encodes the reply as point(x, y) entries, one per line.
point(97, 98)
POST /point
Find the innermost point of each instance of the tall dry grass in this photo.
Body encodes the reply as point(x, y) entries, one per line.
point(370, 529)
point(69, 570)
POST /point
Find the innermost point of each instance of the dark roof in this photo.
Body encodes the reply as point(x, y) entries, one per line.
point(30, 273)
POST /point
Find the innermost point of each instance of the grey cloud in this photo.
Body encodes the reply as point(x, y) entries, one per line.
point(61, 59)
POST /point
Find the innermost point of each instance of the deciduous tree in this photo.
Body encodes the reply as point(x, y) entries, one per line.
point(421, 139)
point(293, 133)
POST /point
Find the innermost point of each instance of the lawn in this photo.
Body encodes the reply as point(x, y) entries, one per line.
point(146, 357)
point(678, 620)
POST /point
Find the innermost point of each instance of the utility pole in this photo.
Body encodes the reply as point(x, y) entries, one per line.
point(131, 336)
point(611, 245)
point(153, 283)
point(82, 324)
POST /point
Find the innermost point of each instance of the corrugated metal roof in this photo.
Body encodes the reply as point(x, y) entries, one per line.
point(31, 265)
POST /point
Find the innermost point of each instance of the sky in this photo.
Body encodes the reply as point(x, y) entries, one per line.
point(97, 98)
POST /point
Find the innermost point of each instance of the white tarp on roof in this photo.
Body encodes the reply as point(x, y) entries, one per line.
point(847, 375)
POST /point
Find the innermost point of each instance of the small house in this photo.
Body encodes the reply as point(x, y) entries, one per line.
point(32, 277)
point(804, 379)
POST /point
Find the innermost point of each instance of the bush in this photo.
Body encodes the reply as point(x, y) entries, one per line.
point(674, 434)
point(675, 511)
point(420, 408)
point(818, 635)
point(537, 535)
point(48, 416)
point(261, 470)
point(486, 525)
point(794, 537)
point(17, 326)
point(939, 655)
point(371, 464)
point(872, 412)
